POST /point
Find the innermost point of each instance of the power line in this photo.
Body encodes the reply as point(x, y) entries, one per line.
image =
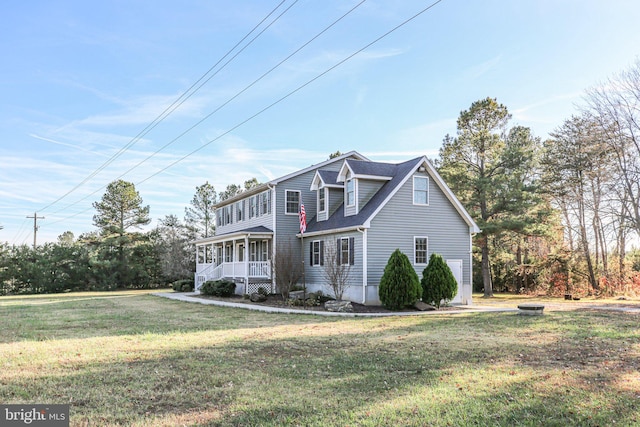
point(233, 97)
point(171, 108)
point(292, 92)
point(347, 58)
point(16, 237)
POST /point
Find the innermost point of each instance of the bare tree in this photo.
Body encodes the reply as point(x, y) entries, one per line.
point(286, 266)
point(578, 175)
point(616, 107)
point(335, 272)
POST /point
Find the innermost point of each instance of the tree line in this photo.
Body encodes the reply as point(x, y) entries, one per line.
point(557, 216)
point(117, 254)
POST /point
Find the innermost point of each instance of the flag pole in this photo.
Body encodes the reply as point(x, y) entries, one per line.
point(303, 228)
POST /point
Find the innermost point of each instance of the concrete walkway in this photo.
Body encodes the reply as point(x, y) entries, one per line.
point(194, 298)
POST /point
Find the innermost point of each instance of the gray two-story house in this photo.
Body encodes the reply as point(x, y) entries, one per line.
point(362, 210)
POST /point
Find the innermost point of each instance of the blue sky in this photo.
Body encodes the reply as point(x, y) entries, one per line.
point(79, 80)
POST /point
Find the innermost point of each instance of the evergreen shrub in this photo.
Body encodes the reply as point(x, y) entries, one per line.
point(438, 282)
point(218, 288)
point(183, 285)
point(400, 285)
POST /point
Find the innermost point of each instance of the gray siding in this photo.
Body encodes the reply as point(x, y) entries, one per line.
point(366, 190)
point(314, 275)
point(263, 220)
point(399, 221)
point(288, 226)
point(336, 198)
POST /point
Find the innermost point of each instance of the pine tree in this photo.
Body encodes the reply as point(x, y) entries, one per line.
point(399, 285)
point(200, 216)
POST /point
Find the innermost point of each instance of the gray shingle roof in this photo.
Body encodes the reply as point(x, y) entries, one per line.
point(398, 172)
point(258, 229)
point(360, 167)
point(329, 177)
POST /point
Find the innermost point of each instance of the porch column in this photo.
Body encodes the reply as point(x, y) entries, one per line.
point(224, 256)
point(246, 263)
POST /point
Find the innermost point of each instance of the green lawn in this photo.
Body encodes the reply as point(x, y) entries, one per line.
point(131, 359)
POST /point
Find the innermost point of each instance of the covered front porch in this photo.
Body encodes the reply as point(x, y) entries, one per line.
point(243, 257)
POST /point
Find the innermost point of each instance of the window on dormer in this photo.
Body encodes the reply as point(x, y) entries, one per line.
point(351, 193)
point(322, 200)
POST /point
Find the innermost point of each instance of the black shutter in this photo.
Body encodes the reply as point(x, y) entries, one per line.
point(310, 253)
point(338, 252)
point(321, 252)
point(351, 250)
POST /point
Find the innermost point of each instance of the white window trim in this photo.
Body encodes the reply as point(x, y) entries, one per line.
point(264, 251)
point(285, 201)
point(413, 193)
point(349, 251)
point(415, 261)
point(240, 211)
point(346, 192)
point(324, 191)
point(239, 250)
point(314, 242)
point(253, 252)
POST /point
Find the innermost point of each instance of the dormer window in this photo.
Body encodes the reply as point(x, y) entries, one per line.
point(322, 200)
point(351, 193)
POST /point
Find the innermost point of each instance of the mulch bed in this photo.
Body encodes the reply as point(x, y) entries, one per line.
point(277, 301)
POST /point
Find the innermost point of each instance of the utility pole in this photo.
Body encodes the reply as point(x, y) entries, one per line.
point(35, 227)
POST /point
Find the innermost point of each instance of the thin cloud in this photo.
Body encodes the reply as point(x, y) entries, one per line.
point(482, 68)
point(76, 147)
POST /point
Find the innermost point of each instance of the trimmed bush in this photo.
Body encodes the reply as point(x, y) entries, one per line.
point(400, 285)
point(183, 285)
point(438, 282)
point(218, 288)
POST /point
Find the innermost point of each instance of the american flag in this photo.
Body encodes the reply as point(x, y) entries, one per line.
point(303, 219)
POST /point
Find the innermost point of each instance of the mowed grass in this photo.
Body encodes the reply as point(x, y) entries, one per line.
point(132, 359)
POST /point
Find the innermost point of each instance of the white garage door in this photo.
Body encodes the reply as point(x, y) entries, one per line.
point(456, 268)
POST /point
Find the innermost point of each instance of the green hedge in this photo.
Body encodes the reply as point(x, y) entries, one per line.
point(183, 285)
point(218, 288)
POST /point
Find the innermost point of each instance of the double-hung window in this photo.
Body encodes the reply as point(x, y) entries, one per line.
point(240, 211)
point(252, 207)
point(265, 199)
point(228, 218)
point(322, 200)
point(345, 251)
point(228, 253)
point(420, 190)
point(421, 246)
point(351, 193)
point(292, 199)
point(317, 252)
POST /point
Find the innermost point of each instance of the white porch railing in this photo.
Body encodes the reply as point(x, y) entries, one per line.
point(260, 269)
point(257, 269)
